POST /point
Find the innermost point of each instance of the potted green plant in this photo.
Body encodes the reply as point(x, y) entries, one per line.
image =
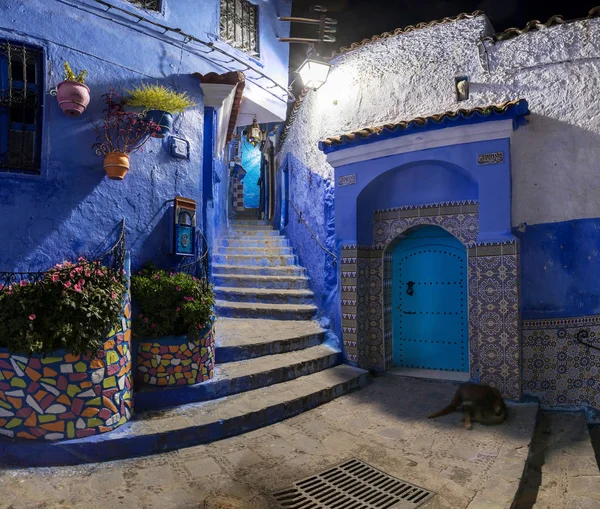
point(120, 134)
point(72, 94)
point(173, 327)
point(159, 103)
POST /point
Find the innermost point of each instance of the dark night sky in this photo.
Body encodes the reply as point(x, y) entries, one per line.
point(360, 19)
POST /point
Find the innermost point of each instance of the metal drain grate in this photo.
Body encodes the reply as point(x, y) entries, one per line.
point(352, 485)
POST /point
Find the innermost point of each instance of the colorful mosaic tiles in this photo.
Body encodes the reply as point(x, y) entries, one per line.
point(556, 367)
point(68, 396)
point(493, 293)
point(176, 361)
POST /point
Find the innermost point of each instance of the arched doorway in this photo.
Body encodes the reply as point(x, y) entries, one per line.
point(430, 301)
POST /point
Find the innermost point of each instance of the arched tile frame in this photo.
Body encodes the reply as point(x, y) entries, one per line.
point(493, 289)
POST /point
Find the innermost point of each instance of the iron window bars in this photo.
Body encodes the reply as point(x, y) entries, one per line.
point(239, 25)
point(21, 96)
point(151, 5)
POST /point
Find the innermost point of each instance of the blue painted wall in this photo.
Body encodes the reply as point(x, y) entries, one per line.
point(71, 208)
point(560, 269)
point(251, 157)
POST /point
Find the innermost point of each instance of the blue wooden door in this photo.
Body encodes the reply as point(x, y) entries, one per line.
point(429, 303)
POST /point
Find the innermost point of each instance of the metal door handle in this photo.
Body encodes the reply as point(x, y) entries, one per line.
point(410, 289)
point(410, 312)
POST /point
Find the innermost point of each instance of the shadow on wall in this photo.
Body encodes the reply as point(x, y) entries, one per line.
point(71, 208)
point(418, 183)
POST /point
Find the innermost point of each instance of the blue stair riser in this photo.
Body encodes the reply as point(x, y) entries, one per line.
point(261, 242)
point(206, 391)
point(257, 261)
point(119, 445)
point(255, 250)
point(234, 222)
point(273, 297)
point(253, 227)
point(224, 354)
point(266, 314)
point(290, 270)
point(253, 233)
point(274, 283)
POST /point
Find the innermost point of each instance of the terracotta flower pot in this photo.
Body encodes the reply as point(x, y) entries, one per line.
point(73, 98)
point(116, 165)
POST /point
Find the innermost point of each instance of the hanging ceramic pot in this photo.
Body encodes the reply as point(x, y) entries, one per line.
point(164, 119)
point(73, 97)
point(116, 165)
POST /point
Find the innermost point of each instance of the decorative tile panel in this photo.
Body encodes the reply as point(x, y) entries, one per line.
point(556, 367)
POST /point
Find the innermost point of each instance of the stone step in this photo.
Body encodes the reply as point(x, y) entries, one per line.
point(249, 226)
point(246, 250)
point(239, 339)
point(286, 270)
point(255, 260)
point(238, 232)
point(254, 242)
point(241, 376)
point(263, 295)
point(272, 282)
point(268, 311)
point(193, 424)
point(251, 222)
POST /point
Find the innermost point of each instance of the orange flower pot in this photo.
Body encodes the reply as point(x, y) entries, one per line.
point(116, 165)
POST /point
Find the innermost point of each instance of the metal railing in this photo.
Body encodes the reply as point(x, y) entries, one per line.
point(334, 258)
point(199, 267)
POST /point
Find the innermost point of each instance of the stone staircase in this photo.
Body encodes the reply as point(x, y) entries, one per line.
point(272, 362)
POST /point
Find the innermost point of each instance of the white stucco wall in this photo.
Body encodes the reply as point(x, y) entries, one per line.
point(557, 69)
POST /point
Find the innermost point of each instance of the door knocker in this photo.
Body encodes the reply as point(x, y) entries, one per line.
point(410, 289)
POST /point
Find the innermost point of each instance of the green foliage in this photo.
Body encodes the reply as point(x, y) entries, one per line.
point(72, 308)
point(70, 75)
point(170, 303)
point(157, 97)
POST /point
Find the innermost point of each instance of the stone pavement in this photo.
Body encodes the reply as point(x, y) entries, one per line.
point(563, 470)
point(383, 424)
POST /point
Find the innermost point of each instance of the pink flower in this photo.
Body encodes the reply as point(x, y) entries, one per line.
point(77, 288)
point(55, 277)
point(81, 259)
point(99, 272)
point(23, 282)
point(58, 265)
point(87, 273)
point(32, 317)
point(177, 310)
point(146, 320)
point(81, 282)
point(178, 288)
point(67, 284)
point(78, 269)
point(154, 326)
point(141, 315)
point(189, 299)
point(113, 295)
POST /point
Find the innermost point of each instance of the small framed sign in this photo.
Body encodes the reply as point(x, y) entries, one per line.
point(491, 158)
point(346, 180)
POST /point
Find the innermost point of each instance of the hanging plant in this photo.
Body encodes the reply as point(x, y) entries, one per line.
point(120, 133)
point(72, 94)
point(160, 104)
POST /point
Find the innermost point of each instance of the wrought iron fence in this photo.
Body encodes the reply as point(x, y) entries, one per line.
point(199, 267)
point(21, 95)
point(239, 25)
point(114, 259)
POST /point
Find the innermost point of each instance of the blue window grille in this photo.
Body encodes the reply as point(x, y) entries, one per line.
point(21, 96)
point(151, 5)
point(239, 25)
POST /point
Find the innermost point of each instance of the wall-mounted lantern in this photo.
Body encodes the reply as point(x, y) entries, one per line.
point(184, 227)
point(253, 134)
point(313, 72)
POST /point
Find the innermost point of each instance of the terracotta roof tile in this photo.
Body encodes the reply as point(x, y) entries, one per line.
point(519, 107)
point(509, 33)
point(409, 28)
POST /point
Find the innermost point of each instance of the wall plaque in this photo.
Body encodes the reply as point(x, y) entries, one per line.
point(347, 180)
point(491, 158)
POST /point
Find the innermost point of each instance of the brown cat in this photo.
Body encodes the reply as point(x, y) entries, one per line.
point(480, 403)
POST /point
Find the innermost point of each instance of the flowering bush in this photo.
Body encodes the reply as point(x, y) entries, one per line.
point(121, 131)
point(72, 307)
point(170, 303)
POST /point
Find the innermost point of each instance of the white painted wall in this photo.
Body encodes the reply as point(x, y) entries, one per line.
point(555, 158)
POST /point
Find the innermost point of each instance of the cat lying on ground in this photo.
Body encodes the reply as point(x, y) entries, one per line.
point(480, 403)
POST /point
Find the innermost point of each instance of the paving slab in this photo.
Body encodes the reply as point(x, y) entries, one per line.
point(384, 425)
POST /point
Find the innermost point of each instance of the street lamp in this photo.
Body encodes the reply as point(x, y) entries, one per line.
point(314, 72)
point(253, 134)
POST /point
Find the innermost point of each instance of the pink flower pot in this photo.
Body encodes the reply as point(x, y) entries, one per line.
point(73, 98)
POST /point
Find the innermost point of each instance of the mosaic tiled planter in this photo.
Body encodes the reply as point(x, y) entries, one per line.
point(175, 360)
point(63, 396)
